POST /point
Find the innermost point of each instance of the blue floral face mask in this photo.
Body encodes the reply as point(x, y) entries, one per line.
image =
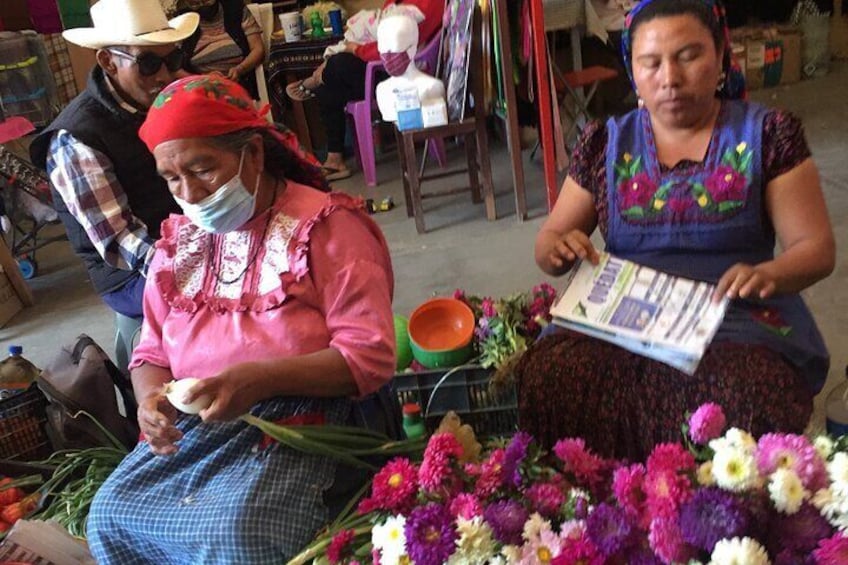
point(226, 209)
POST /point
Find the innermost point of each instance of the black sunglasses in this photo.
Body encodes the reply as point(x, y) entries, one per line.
point(149, 64)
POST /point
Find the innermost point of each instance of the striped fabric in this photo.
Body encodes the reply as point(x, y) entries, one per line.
point(226, 497)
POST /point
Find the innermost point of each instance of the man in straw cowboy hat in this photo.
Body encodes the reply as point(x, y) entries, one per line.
point(104, 180)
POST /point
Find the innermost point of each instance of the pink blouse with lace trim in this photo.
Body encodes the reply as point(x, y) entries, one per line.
point(321, 277)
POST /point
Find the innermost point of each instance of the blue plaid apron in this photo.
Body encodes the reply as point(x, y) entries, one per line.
point(225, 497)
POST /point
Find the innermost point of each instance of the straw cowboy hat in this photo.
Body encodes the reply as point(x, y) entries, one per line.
point(132, 22)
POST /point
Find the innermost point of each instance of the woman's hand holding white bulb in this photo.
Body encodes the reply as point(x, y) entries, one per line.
point(220, 398)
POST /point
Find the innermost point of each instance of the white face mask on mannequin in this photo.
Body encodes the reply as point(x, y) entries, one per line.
point(226, 209)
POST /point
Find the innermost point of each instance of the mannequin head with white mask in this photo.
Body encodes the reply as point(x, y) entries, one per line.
point(397, 42)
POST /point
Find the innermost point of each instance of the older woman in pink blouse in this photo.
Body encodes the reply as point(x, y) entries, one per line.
point(278, 297)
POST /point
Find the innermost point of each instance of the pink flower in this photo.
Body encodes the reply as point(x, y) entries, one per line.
point(706, 423)
point(665, 491)
point(488, 307)
point(459, 294)
point(393, 489)
point(670, 457)
point(667, 542)
point(725, 183)
point(578, 550)
point(638, 190)
point(832, 550)
point(795, 452)
point(585, 465)
point(546, 499)
point(490, 475)
point(436, 468)
point(465, 506)
point(679, 205)
point(628, 488)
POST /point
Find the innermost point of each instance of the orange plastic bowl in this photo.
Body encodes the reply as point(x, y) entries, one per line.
point(440, 326)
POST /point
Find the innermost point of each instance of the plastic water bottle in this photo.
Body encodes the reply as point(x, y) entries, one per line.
point(837, 409)
point(16, 373)
point(413, 424)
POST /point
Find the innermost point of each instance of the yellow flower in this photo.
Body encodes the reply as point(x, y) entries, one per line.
point(628, 157)
point(741, 147)
point(658, 204)
point(703, 201)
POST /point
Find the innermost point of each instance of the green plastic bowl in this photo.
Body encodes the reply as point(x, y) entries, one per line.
point(403, 349)
point(441, 332)
point(441, 359)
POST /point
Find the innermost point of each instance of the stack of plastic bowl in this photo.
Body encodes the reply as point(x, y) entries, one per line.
point(402, 346)
point(441, 332)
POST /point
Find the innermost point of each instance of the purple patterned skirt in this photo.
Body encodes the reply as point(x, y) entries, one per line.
point(624, 404)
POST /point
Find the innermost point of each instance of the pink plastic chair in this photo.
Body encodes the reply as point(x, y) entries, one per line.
point(362, 111)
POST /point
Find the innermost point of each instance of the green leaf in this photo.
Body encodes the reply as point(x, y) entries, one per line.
point(698, 189)
point(745, 164)
point(635, 165)
point(635, 212)
point(730, 158)
point(663, 190)
point(729, 205)
point(622, 172)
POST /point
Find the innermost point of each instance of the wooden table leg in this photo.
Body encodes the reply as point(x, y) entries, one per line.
point(414, 182)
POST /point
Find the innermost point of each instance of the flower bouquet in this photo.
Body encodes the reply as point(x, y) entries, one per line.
point(506, 326)
point(719, 497)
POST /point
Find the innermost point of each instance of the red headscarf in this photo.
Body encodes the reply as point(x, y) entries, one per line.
point(211, 105)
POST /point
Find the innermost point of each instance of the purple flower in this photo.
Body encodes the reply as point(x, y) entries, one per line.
point(609, 529)
point(789, 557)
point(638, 190)
point(707, 423)
point(642, 556)
point(725, 183)
point(506, 518)
point(711, 515)
point(516, 451)
point(482, 331)
point(799, 532)
point(430, 535)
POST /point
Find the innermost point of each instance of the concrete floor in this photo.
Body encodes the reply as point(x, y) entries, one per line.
point(462, 249)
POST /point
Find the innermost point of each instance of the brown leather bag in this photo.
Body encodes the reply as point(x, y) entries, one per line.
point(83, 378)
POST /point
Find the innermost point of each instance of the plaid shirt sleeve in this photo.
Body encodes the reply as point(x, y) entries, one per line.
point(86, 180)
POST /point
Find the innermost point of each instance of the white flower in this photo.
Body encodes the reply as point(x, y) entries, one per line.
point(389, 538)
point(534, 526)
point(736, 551)
point(512, 554)
point(705, 474)
point(832, 506)
point(735, 469)
point(837, 470)
point(786, 491)
point(737, 439)
point(824, 445)
point(475, 545)
point(572, 529)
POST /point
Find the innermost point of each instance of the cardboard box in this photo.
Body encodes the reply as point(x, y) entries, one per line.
point(10, 304)
point(769, 56)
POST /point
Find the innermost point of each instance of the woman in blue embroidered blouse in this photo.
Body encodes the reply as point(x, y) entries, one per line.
point(699, 183)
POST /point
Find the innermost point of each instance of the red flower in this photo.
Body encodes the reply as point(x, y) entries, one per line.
point(393, 489)
point(725, 183)
point(638, 190)
point(679, 205)
point(339, 548)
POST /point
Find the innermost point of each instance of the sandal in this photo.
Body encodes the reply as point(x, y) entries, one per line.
point(332, 174)
point(297, 91)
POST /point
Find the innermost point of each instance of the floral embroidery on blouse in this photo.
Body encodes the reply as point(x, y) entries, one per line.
point(772, 320)
point(709, 195)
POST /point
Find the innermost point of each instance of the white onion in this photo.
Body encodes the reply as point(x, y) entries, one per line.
point(177, 391)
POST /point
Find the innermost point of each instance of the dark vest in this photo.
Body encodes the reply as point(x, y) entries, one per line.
point(96, 119)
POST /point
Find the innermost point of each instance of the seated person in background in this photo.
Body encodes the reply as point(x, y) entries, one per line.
point(698, 183)
point(104, 181)
point(341, 79)
point(278, 297)
point(228, 41)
